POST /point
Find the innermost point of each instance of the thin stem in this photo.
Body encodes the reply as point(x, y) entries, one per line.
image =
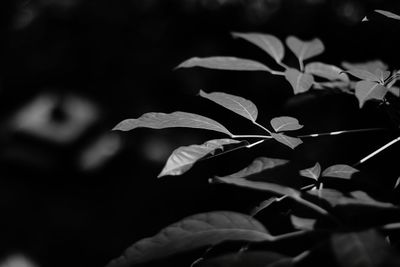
point(262, 127)
point(252, 136)
point(312, 206)
point(391, 226)
point(283, 64)
point(274, 72)
point(378, 151)
point(255, 143)
point(301, 64)
point(305, 188)
point(342, 132)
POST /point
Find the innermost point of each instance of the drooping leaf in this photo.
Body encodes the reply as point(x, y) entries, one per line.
point(370, 66)
point(313, 172)
point(289, 141)
point(183, 158)
point(364, 75)
point(157, 120)
point(305, 49)
point(366, 90)
point(302, 223)
point(364, 198)
point(387, 14)
point(224, 63)
point(339, 171)
point(285, 123)
point(269, 43)
point(193, 232)
point(237, 104)
point(326, 71)
point(263, 205)
point(300, 82)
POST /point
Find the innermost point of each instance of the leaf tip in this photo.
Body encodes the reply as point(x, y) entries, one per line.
point(365, 19)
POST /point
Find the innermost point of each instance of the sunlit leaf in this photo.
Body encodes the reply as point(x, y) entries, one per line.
point(305, 49)
point(387, 14)
point(364, 75)
point(269, 43)
point(285, 123)
point(244, 259)
point(263, 205)
point(183, 158)
point(237, 104)
point(224, 63)
point(289, 141)
point(394, 90)
point(326, 71)
point(302, 223)
point(193, 232)
point(300, 82)
point(313, 172)
point(370, 66)
point(156, 120)
point(366, 90)
point(339, 171)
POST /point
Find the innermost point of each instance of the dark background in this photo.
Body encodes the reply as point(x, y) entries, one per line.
point(74, 194)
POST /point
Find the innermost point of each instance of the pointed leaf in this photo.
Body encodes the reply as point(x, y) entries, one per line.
point(193, 232)
point(183, 158)
point(263, 205)
point(364, 75)
point(156, 120)
point(224, 63)
point(269, 43)
point(394, 90)
point(313, 172)
point(302, 223)
point(387, 14)
point(339, 171)
point(301, 82)
point(305, 49)
point(291, 142)
point(326, 71)
point(370, 66)
point(285, 123)
point(365, 19)
point(396, 185)
point(237, 104)
point(366, 90)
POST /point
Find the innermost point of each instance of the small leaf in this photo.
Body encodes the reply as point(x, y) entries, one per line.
point(193, 232)
point(183, 158)
point(237, 104)
point(269, 43)
point(366, 90)
point(301, 82)
point(305, 49)
point(364, 75)
point(156, 120)
point(224, 63)
point(370, 66)
point(285, 124)
point(396, 185)
point(365, 19)
point(313, 172)
point(291, 142)
point(326, 71)
point(302, 223)
point(339, 171)
point(263, 205)
point(387, 14)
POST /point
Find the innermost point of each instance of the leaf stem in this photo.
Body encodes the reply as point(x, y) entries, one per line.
point(301, 64)
point(254, 144)
point(252, 136)
point(262, 127)
point(342, 132)
point(282, 64)
point(377, 151)
point(274, 72)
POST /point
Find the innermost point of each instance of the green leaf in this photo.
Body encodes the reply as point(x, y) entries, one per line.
point(269, 43)
point(326, 71)
point(257, 166)
point(193, 232)
point(301, 82)
point(291, 142)
point(302, 223)
point(364, 75)
point(183, 158)
point(387, 14)
point(339, 171)
point(305, 49)
point(370, 66)
point(224, 63)
point(156, 120)
point(246, 258)
point(366, 90)
point(313, 172)
point(285, 123)
point(237, 104)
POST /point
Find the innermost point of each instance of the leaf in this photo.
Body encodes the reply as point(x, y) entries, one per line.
point(301, 82)
point(313, 172)
point(205, 229)
point(302, 223)
point(234, 103)
point(257, 166)
point(394, 90)
point(224, 63)
point(326, 71)
point(156, 120)
point(285, 123)
point(366, 90)
point(339, 171)
point(246, 258)
point(183, 158)
point(269, 43)
point(263, 205)
point(387, 14)
point(370, 66)
point(364, 75)
point(291, 142)
point(305, 49)
point(396, 185)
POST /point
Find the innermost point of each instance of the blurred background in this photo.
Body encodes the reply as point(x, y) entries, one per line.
point(73, 193)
